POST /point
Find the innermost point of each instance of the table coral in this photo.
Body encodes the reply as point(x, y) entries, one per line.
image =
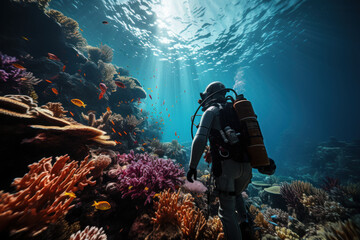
point(39, 198)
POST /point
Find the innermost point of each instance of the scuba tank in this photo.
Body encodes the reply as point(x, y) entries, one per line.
point(255, 145)
point(251, 130)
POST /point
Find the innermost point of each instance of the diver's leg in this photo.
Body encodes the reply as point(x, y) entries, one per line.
point(240, 185)
point(228, 217)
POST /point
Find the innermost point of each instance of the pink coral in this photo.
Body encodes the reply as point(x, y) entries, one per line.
point(100, 163)
point(196, 186)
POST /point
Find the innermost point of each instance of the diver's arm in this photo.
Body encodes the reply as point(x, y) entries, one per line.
point(200, 140)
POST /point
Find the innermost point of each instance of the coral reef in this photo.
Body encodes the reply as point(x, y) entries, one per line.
point(89, 233)
point(56, 108)
point(285, 233)
point(147, 175)
point(70, 28)
point(39, 198)
point(277, 215)
point(347, 230)
point(214, 229)
point(100, 163)
point(60, 230)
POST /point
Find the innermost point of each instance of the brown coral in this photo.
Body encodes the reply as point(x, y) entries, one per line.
point(89, 233)
point(347, 230)
point(39, 198)
point(56, 108)
point(214, 229)
point(100, 163)
point(97, 123)
point(70, 28)
point(286, 234)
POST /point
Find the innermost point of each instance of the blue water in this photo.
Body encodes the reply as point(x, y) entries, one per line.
point(296, 61)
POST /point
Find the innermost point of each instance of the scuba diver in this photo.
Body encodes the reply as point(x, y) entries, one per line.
point(236, 146)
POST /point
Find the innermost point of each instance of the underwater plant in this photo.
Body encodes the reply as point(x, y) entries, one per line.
point(40, 196)
point(147, 175)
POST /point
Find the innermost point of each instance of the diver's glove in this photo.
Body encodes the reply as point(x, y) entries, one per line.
point(269, 169)
point(190, 174)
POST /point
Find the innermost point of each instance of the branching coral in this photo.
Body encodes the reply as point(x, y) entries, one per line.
point(89, 233)
point(347, 230)
point(147, 175)
point(286, 234)
point(214, 229)
point(70, 28)
point(39, 198)
point(260, 221)
point(97, 123)
point(193, 224)
point(277, 215)
point(56, 108)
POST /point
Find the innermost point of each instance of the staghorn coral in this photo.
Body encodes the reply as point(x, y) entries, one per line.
point(97, 123)
point(89, 233)
point(346, 230)
point(193, 223)
point(39, 198)
point(100, 163)
point(147, 175)
point(70, 28)
point(56, 108)
point(286, 234)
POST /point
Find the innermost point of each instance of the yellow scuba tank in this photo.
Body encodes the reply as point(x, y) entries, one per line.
point(255, 148)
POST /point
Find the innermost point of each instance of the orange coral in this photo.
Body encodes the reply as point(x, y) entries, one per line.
point(39, 198)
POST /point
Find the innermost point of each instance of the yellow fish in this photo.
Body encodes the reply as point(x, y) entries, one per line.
point(102, 205)
point(146, 188)
point(25, 38)
point(130, 187)
point(78, 102)
point(70, 194)
point(156, 195)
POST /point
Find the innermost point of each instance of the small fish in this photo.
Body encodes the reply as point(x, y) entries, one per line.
point(70, 194)
point(291, 218)
point(274, 216)
point(120, 84)
point(102, 205)
point(55, 91)
point(113, 130)
point(141, 110)
point(150, 96)
point(25, 38)
point(105, 22)
point(130, 187)
point(125, 133)
point(108, 109)
point(135, 133)
point(146, 188)
point(156, 195)
point(175, 134)
point(184, 91)
point(142, 130)
point(142, 149)
point(64, 67)
point(78, 103)
point(120, 134)
point(81, 29)
point(132, 100)
point(272, 223)
point(144, 144)
point(53, 57)
point(48, 81)
point(112, 122)
point(18, 66)
point(169, 115)
point(71, 113)
point(135, 142)
point(103, 87)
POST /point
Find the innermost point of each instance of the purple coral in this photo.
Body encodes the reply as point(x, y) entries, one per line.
point(12, 78)
point(147, 175)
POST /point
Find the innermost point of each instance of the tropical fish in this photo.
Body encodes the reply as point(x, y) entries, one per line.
point(156, 195)
point(141, 110)
point(120, 84)
point(103, 89)
point(105, 22)
point(125, 133)
point(150, 96)
point(274, 216)
point(169, 115)
point(48, 81)
point(132, 100)
point(108, 109)
point(272, 223)
point(102, 205)
point(81, 29)
point(18, 66)
point(55, 91)
point(113, 130)
point(70, 194)
point(130, 187)
point(175, 134)
point(25, 38)
point(53, 57)
point(64, 67)
point(146, 188)
point(120, 134)
point(71, 113)
point(78, 103)
point(291, 218)
point(112, 122)
point(144, 144)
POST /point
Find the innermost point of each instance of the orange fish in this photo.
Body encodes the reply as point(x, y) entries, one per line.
point(132, 100)
point(150, 96)
point(64, 68)
point(108, 109)
point(120, 134)
point(102, 205)
point(175, 134)
point(169, 115)
point(48, 81)
point(81, 29)
point(71, 113)
point(141, 110)
point(120, 84)
point(25, 38)
point(125, 133)
point(144, 144)
point(78, 103)
point(112, 122)
point(23, 79)
point(53, 57)
point(18, 66)
point(113, 130)
point(55, 91)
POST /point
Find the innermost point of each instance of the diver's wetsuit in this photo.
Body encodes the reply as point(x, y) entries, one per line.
point(234, 178)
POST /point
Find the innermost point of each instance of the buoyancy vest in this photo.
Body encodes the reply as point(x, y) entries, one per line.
point(222, 148)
